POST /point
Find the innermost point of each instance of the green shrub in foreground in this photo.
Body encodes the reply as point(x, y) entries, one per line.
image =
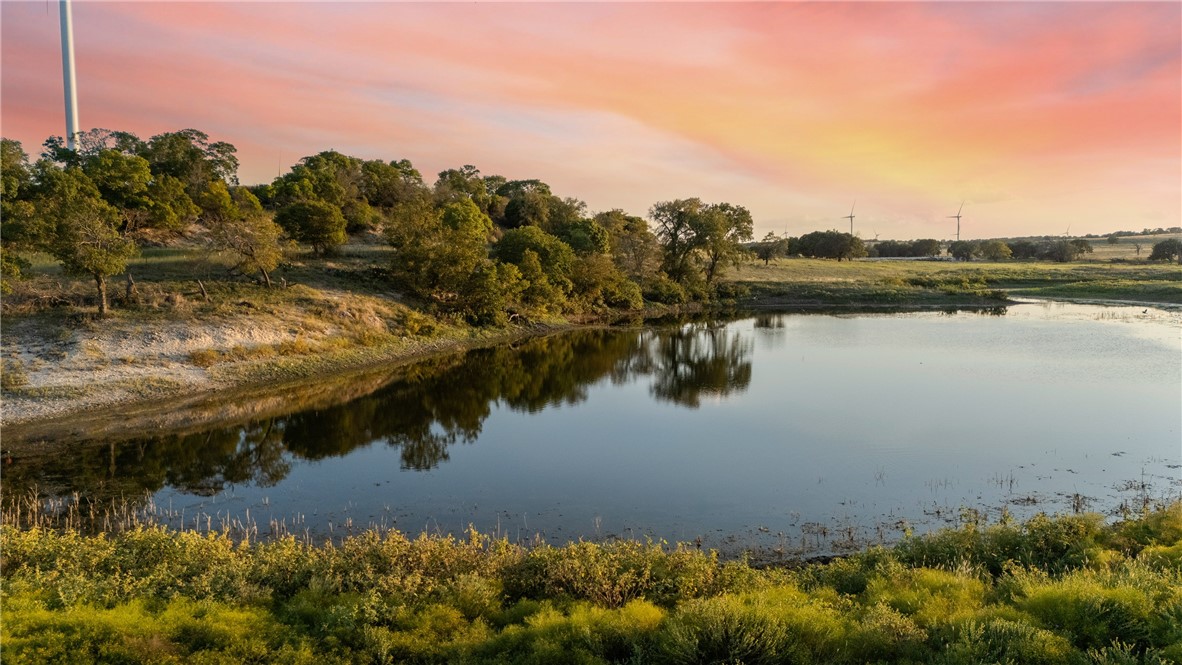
point(1053, 590)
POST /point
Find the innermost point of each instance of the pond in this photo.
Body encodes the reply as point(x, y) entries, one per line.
point(788, 433)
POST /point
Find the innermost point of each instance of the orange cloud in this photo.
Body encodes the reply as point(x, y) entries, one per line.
point(1039, 110)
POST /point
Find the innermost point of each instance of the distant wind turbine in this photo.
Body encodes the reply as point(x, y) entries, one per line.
point(957, 216)
point(851, 217)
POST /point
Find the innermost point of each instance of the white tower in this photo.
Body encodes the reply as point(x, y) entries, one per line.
point(70, 87)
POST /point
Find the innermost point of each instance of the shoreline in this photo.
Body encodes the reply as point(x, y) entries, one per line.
point(107, 398)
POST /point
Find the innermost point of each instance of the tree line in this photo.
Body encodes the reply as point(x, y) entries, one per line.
point(839, 245)
point(482, 247)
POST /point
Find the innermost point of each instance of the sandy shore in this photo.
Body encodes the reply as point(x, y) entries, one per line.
point(102, 372)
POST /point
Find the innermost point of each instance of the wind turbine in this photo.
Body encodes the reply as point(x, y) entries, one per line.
point(851, 217)
point(68, 83)
point(957, 216)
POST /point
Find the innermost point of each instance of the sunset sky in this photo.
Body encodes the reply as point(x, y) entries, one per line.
point(1042, 116)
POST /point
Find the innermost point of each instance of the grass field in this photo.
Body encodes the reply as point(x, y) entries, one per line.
point(902, 282)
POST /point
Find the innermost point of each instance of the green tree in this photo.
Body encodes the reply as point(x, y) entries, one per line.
point(995, 250)
point(538, 291)
point(1113, 239)
point(84, 228)
point(338, 180)
point(1167, 250)
point(556, 257)
point(20, 228)
point(527, 209)
point(585, 236)
point(771, 247)
point(1081, 246)
point(633, 246)
point(316, 223)
point(88, 145)
point(677, 234)
point(926, 247)
point(441, 256)
point(463, 183)
point(237, 223)
point(190, 157)
point(598, 284)
point(385, 185)
point(169, 206)
point(964, 250)
point(1024, 249)
point(830, 245)
point(723, 229)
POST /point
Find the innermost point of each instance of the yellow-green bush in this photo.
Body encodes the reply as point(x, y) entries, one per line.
point(1054, 590)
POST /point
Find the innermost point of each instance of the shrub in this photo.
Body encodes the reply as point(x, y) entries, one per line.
point(1090, 613)
point(12, 375)
point(663, 290)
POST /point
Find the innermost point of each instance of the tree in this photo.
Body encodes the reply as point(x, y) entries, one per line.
point(1113, 239)
point(771, 247)
point(633, 246)
point(385, 185)
point(677, 236)
point(830, 245)
point(1167, 250)
point(336, 179)
point(925, 247)
point(995, 250)
point(1024, 249)
point(964, 250)
point(85, 229)
point(19, 226)
point(1064, 250)
point(585, 236)
point(724, 228)
point(528, 208)
point(598, 284)
point(557, 259)
point(440, 255)
point(237, 223)
point(464, 182)
point(316, 223)
point(188, 156)
point(169, 207)
point(1081, 246)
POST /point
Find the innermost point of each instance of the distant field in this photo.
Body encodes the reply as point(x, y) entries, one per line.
point(816, 281)
point(1126, 248)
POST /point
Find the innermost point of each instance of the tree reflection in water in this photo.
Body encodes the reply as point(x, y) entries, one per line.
point(431, 406)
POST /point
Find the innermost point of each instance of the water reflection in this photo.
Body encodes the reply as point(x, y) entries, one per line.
point(700, 360)
point(429, 408)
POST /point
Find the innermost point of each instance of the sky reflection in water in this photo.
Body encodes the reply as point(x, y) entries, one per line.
point(777, 430)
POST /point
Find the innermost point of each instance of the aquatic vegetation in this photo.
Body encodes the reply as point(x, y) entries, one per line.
point(1052, 590)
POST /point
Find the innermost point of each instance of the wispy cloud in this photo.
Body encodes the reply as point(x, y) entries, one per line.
point(1031, 110)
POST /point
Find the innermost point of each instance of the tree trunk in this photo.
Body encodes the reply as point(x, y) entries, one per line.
point(266, 277)
point(101, 282)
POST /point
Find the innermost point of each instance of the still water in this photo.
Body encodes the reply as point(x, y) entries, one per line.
point(794, 432)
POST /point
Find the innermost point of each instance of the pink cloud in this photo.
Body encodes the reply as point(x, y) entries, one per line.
point(796, 107)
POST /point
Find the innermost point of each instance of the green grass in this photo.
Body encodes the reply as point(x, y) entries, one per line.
point(795, 281)
point(1052, 590)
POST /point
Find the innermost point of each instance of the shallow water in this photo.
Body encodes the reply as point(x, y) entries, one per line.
point(795, 432)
